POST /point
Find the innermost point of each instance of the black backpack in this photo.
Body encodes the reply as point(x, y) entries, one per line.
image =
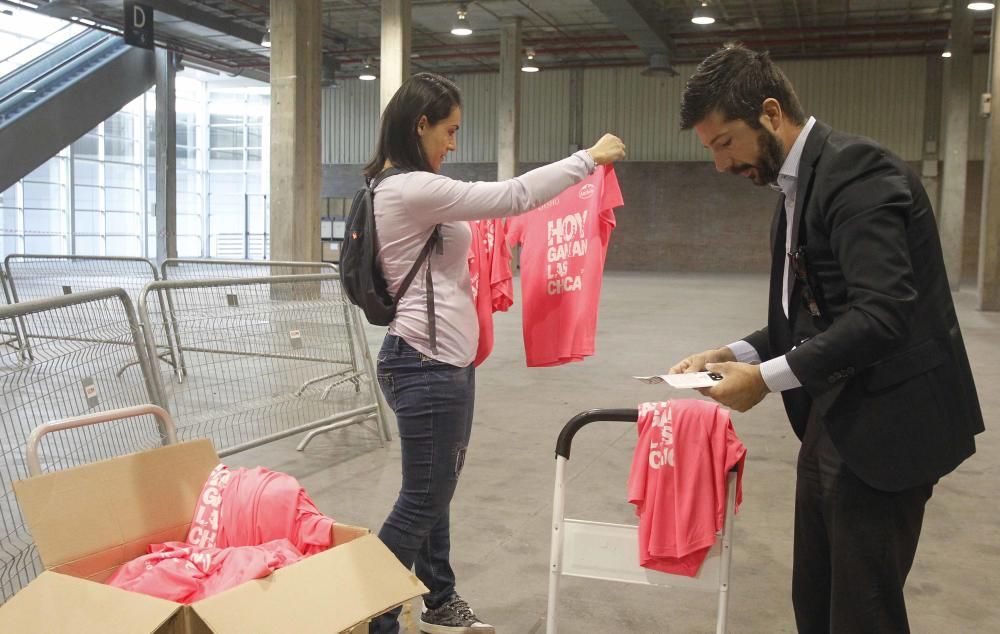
point(360, 275)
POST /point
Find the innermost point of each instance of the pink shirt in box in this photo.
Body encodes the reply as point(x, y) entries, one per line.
point(563, 246)
point(685, 451)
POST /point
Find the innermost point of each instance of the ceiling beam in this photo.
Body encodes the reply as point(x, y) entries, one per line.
point(190, 13)
point(634, 19)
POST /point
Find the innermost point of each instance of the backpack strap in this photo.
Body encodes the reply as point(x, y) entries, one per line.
point(374, 181)
point(433, 241)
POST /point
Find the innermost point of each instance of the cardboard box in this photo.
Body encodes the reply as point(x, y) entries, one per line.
point(89, 520)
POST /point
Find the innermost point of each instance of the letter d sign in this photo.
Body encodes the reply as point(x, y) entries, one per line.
point(138, 25)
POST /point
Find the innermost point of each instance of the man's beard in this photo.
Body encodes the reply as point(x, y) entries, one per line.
point(768, 164)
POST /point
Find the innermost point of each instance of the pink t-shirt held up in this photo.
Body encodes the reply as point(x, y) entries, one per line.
point(563, 247)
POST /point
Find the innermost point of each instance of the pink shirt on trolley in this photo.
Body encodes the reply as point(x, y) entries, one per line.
point(685, 451)
point(563, 247)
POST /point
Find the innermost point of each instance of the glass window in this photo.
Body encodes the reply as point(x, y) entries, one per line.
point(121, 175)
point(88, 245)
point(123, 245)
point(86, 198)
point(229, 160)
point(44, 244)
point(89, 222)
point(49, 172)
point(122, 224)
point(42, 194)
point(87, 146)
point(225, 136)
point(86, 172)
point(222, 182)
point(121, 150)
point(44, 221)
point(117, 199)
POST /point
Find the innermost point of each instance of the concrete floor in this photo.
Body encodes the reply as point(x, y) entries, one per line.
point(502, 510)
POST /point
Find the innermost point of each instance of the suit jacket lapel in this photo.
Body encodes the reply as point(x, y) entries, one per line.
point(777, 322)
point(811, 152)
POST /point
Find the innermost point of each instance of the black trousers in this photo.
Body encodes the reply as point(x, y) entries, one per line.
point(854, 545)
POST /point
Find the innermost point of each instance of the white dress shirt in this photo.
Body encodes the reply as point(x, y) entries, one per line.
point(777, 374)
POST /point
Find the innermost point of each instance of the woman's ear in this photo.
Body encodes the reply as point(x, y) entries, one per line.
point(422, 125)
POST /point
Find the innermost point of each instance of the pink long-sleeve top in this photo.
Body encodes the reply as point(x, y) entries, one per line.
point(408, 206)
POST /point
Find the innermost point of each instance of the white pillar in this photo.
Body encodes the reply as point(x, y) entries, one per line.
point(166, 155)
point(296, 66)
point(989, 235)
point(509, 115)
point(958, 86)
point(395, 59)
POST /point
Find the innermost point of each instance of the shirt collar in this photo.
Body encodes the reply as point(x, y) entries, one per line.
point(789, 171)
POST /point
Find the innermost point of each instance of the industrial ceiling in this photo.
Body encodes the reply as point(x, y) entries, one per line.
point(226, 35)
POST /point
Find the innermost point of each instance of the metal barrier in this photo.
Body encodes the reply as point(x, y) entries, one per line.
point(10, 335)
point(207, 268)
point(34, 443)
point(37, 276)
point(264, 358)
point(200, 268)
point(78, 343)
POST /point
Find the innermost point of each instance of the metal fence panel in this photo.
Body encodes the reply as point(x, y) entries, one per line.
point(87, 355)
point(10, 337)
point(264, 357)
point(34, 276)
point(37, 276)
point(361, 361)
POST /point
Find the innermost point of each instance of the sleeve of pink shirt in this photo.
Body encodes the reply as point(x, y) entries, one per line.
point(501, 276)
point(436, 198)
point(612, 197)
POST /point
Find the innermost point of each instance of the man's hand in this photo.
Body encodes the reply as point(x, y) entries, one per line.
point(697, 362)
point(741, 387)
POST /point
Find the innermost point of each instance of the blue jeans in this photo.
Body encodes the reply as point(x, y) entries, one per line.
point(433, 402)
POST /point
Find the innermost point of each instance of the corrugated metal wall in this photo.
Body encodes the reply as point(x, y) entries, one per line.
point(882, 98)
point(545, 133)
point(349, 122)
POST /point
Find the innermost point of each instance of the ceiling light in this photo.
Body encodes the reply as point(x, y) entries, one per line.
point(265, 41)
point(529, 65)
point(367, 73)
point(947, 53)
point(981, 6)
point(703, 15)
point(462, 26)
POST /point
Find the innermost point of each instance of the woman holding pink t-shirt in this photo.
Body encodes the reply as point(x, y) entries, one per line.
point(425, 366)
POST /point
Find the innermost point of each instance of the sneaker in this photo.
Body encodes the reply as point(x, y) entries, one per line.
point(454, 617)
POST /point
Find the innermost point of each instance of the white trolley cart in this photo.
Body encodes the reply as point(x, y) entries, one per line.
point(596, 550)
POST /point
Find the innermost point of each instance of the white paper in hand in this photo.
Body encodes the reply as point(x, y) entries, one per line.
point(692, 380)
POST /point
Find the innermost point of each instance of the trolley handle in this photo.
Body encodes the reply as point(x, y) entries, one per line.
point(31, 449)
point(585, 418)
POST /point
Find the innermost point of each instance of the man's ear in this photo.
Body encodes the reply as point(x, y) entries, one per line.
point(422, 125)
point(771, 115)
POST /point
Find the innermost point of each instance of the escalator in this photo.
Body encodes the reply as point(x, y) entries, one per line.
point(54, 99)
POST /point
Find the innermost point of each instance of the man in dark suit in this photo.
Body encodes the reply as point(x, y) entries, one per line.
point(862, 340)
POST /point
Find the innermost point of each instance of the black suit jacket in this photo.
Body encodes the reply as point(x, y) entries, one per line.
point(884, 366)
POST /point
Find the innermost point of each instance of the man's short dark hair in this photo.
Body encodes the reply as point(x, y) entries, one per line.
point(736, 80)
